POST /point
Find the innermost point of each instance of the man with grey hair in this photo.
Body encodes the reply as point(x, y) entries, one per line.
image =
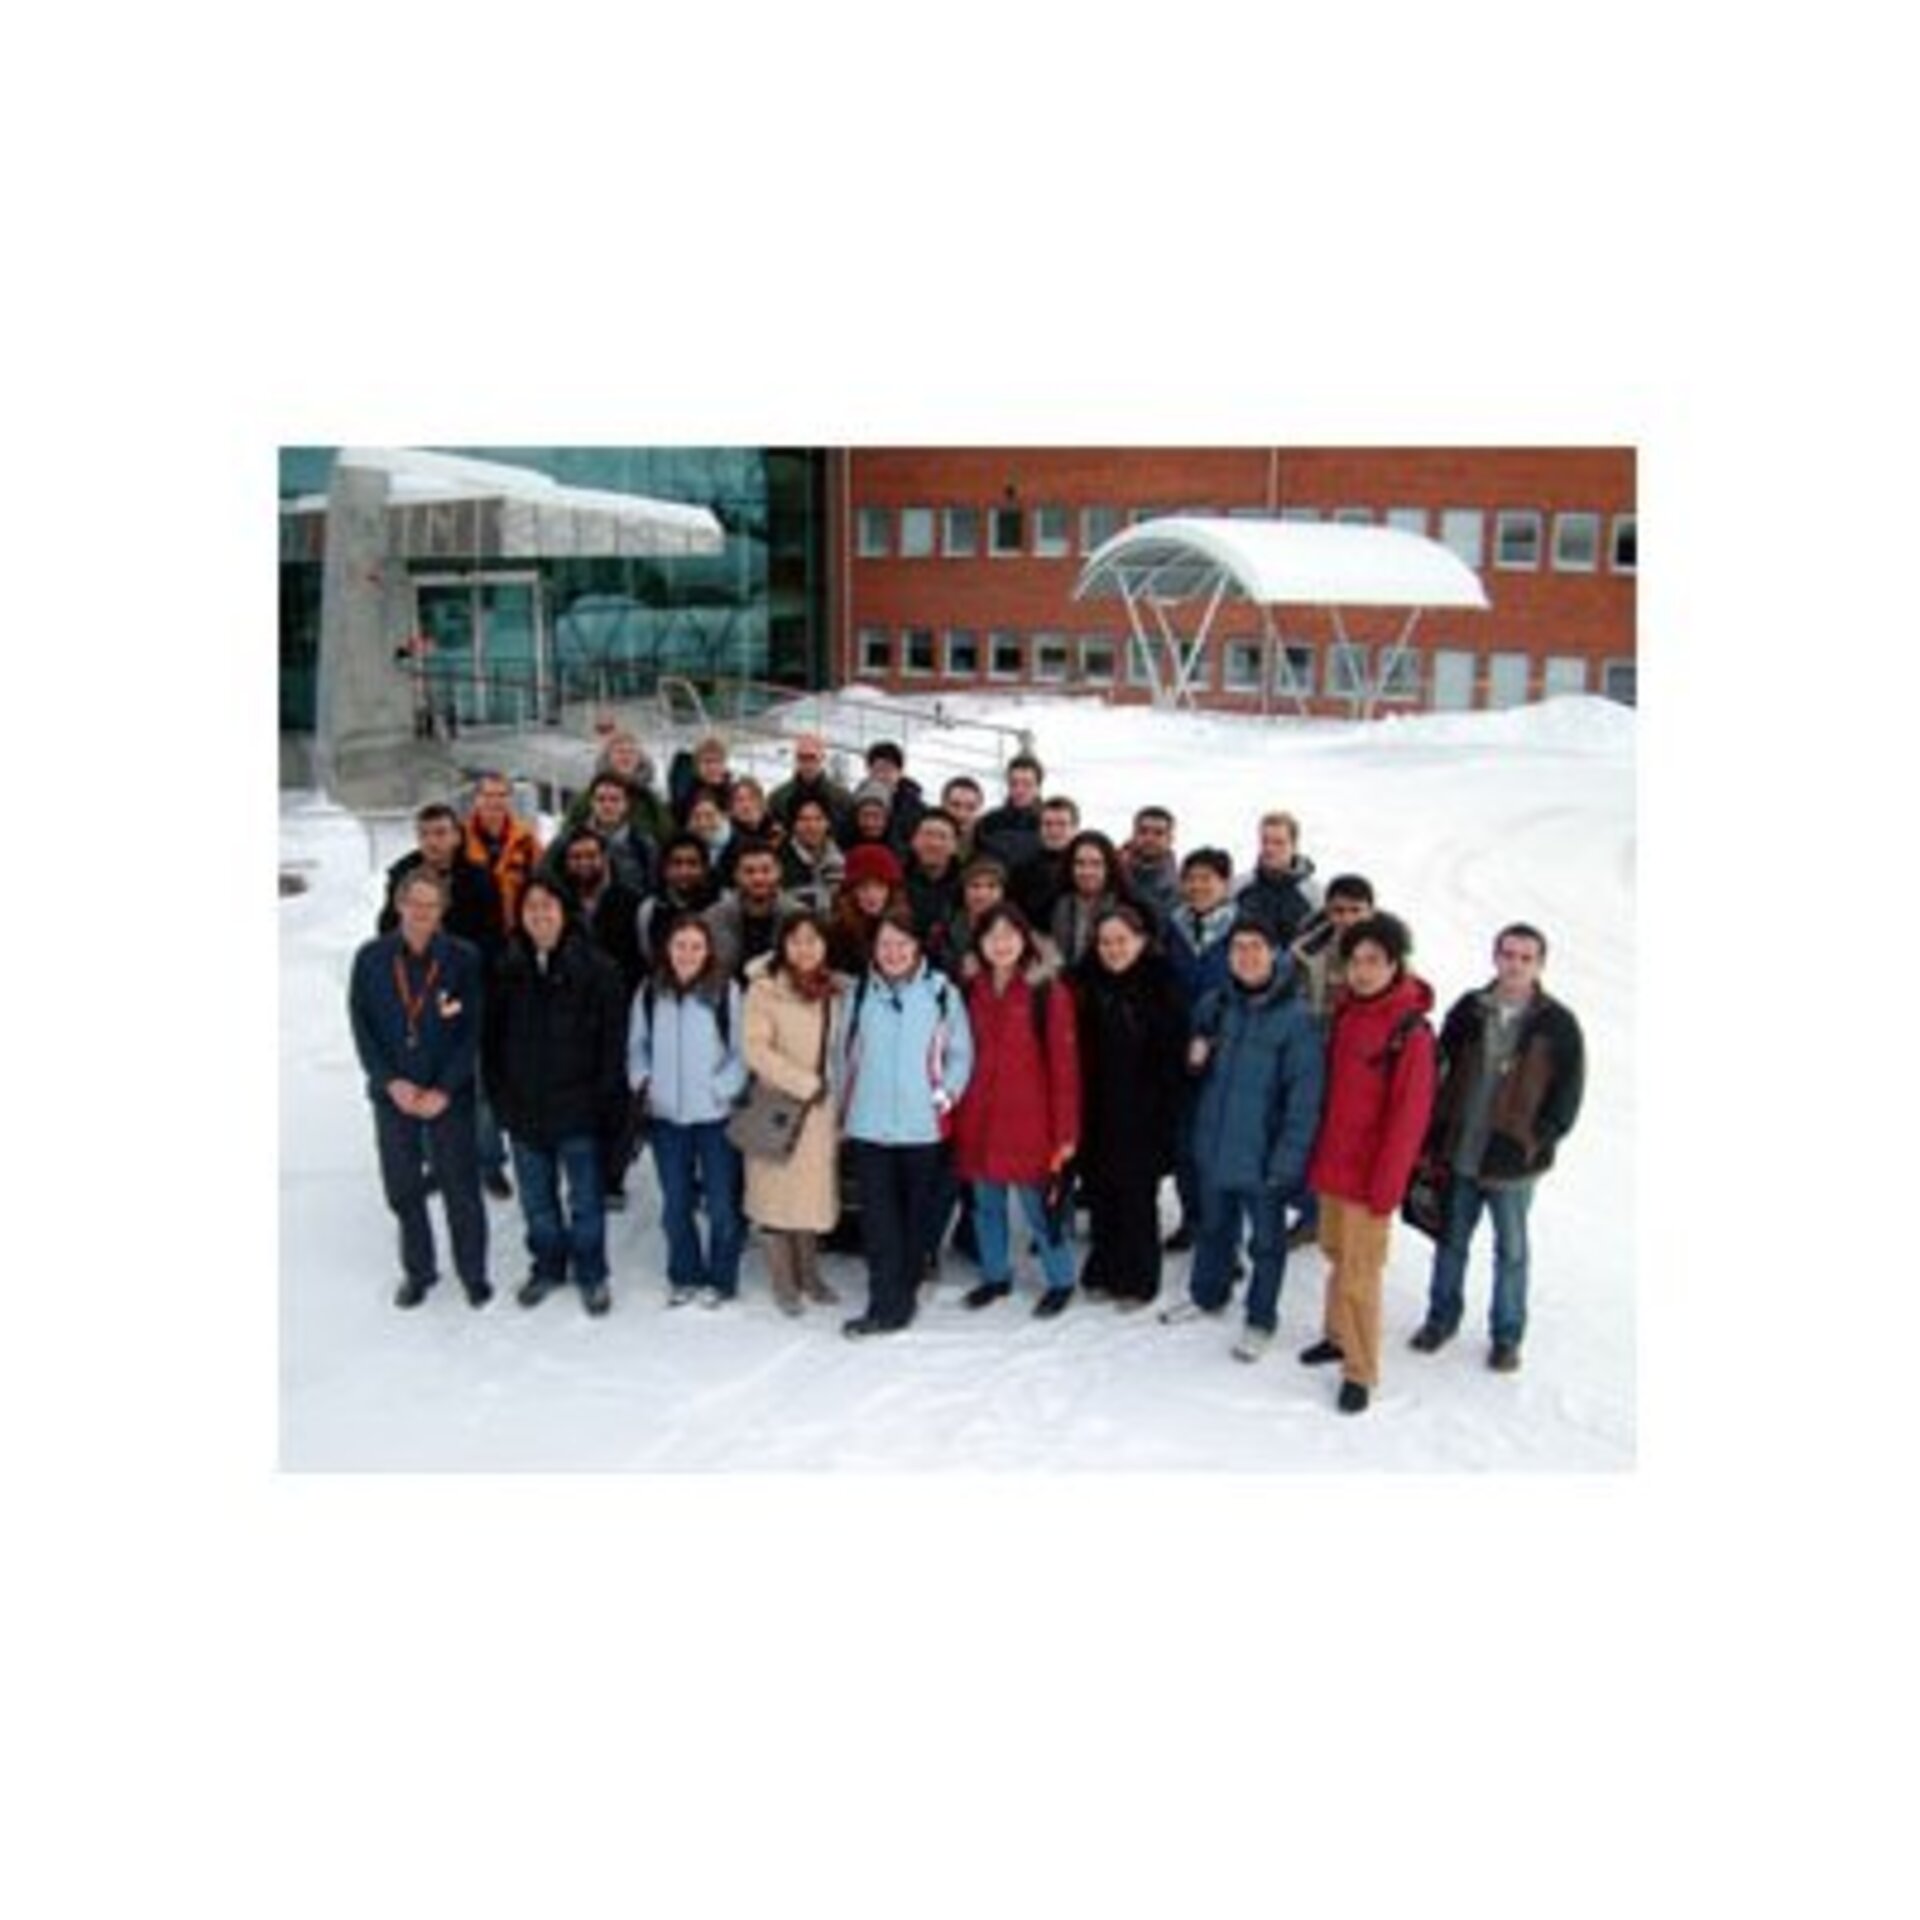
point(414, 1002)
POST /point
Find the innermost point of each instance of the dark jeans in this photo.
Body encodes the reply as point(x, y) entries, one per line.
point(452, 1160)
point(1123, 1234)
point(1446, 1294)
point(699, 1163)
point(898, 1187)
point(573, 1235)
point(1222, 1212)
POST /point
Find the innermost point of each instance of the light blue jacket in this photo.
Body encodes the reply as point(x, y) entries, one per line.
point(900, 1047)
point(692, 1076)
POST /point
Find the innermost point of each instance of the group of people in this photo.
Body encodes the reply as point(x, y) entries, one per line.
point(979, 1022)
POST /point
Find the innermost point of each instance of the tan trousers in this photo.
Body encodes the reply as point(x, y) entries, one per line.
point(1355, 1243)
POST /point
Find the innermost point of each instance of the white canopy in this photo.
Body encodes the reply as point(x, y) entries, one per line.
point(1167, 563)
point(526, 513)
point(1280, 562)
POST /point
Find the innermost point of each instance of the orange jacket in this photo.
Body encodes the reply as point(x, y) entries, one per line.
point(510, 860)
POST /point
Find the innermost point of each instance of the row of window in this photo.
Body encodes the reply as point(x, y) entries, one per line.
point(1521, 536)
point(1447, 675)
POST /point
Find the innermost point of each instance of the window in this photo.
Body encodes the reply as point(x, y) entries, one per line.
point(1248, 513)
point(1293, 669)
point(1576, 542)
point(1516, 538)
point(960, 536)
point(1006, 531)
point(1240, 667)
point(1566, 673)
point(874, 647)
point(1403, 677)
point(1617, 682)
point(1625, 544)
point(1137, 658)
point(1464, 529)
point(875, 531)
point(917, 652)
point(1098, 525)
point(916, 532)
point(1408, 519)
point(1051, 658)
point(1509, 676)
point(1353, 516)
point(963, 654)
point(1004, 656)
point(1346, 668)
point(1097, 661)
point(1050, 537)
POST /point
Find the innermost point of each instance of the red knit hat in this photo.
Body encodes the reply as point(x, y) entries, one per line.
point(871, 861)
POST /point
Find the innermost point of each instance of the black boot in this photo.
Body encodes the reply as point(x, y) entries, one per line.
point(411, 1292)
point(1052, 1302)
point(1353, 1397)
point(987, 1292)
point(1320, 1353)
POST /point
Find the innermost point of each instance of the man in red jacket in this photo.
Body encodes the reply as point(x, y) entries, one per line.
point(1380, 1072)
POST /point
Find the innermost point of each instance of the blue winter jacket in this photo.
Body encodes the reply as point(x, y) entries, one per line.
point(1200, 969)
point(444, 1048)
point(692, 1076)
point(1259, 1102)
point(900, 1045)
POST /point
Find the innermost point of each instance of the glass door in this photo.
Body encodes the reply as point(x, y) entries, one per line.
point(485, 656)
point(512, 662)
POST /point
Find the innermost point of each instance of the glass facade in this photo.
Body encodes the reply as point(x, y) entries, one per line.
point(516, 637)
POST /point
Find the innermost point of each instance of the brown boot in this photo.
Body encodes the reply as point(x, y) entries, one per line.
point(811, 1284)
point(783, 1272)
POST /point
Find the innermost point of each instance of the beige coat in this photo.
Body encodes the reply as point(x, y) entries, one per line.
point(782, 1047)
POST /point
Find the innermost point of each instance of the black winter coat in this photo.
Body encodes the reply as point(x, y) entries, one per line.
point(473, 911)
point(554, 1044)
point(1538, 1098)
point(1133, 1041)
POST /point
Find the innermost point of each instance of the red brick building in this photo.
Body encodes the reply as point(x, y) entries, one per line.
point(954, 568)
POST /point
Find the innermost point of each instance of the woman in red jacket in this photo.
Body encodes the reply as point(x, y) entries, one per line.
point(1018, 1123)
point(1379, 1096)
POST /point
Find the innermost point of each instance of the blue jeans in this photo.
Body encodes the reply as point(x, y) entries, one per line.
point(695, 1164)
point(409, 1149)
point(575, 1234)
point(990, 1225)
point(1223, 1210)
point(1446, 1293)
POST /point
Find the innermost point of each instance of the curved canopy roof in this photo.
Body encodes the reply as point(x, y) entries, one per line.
point(1278, 562)
point(517, 512)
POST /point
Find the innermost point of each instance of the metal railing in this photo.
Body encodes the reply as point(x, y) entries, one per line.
point(669, 711)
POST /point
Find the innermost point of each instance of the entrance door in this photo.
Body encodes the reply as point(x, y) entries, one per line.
point(512, 664)
point(1452, 680)
point(486, 662)
point(1507, 679)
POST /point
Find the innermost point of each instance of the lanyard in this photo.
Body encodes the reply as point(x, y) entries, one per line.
point(413, 1005)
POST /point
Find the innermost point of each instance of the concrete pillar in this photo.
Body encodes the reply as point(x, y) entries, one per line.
point(364, 747)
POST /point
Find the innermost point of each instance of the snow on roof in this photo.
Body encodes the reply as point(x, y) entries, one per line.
point(1182, 557)
point(538, 515)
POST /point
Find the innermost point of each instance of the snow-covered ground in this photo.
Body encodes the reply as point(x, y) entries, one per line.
point(1462, 822)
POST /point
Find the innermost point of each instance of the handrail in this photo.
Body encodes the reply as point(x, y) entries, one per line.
point(758, 712)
